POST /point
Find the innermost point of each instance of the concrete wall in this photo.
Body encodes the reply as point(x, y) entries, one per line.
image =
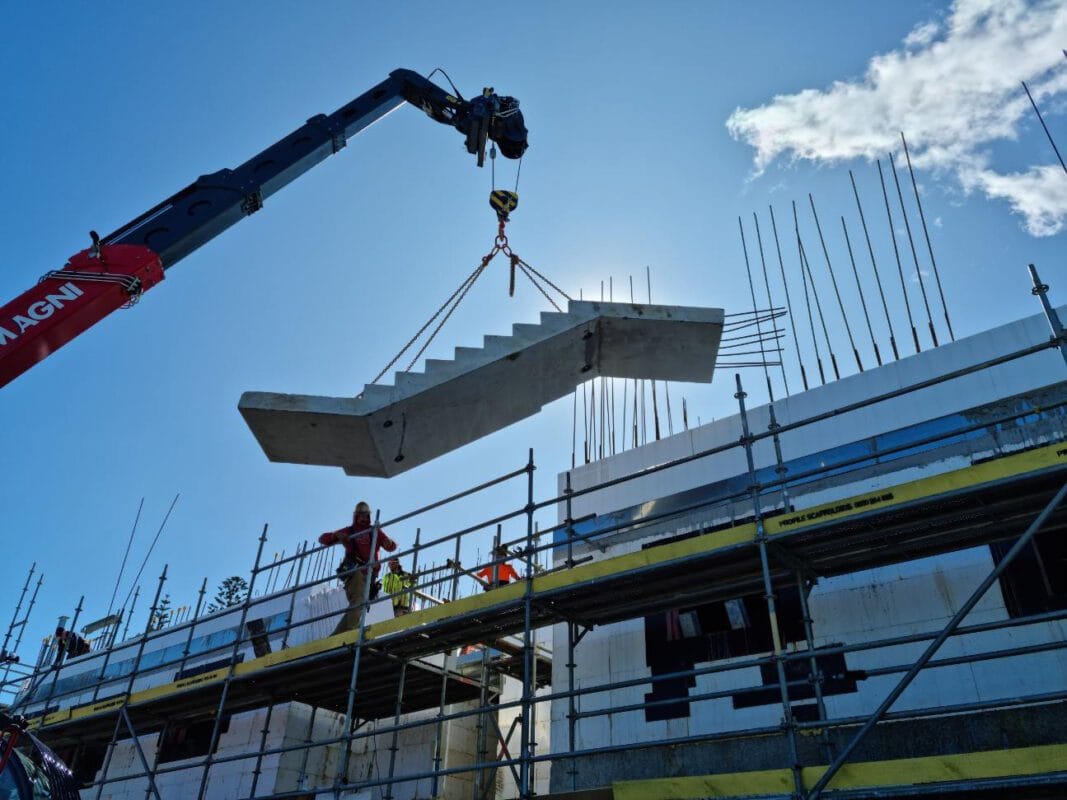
point(286, 772)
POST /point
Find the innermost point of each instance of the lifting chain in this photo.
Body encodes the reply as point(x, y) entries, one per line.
point(503, 203)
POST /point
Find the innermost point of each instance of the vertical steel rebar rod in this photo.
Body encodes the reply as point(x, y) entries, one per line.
point(874, 266)
point(768, 591)
point(818, 308)
point(1021, 543)
point(914, 254)
point(833, 280)
point(655, 406)
point(896, 253)
point(859, 288)
point(770, 301)
point(216, 729)
point(788, 303)
point(1041, 119)
point(129, 684)
point(371, 566)
point(807, 299)
point(1040, 291)
point(926, 234)
point(755, 310)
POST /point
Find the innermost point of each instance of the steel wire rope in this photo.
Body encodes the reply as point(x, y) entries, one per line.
point(833, 280)
point(429, 322)
point(477, 274)
point(526, 271)
point(545, 279)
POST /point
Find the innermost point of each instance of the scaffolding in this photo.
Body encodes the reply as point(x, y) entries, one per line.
point(394, 667)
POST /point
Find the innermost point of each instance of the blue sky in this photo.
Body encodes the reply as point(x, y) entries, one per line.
point(112, 108)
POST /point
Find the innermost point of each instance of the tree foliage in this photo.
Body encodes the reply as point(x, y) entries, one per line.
point(231, 592)
point(162, 615)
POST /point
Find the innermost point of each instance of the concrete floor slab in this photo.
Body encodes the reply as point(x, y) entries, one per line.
point(390, 429)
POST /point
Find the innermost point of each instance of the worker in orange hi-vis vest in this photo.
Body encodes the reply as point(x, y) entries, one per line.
point(499, 574)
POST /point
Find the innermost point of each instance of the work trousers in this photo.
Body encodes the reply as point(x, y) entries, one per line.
point(355, 585)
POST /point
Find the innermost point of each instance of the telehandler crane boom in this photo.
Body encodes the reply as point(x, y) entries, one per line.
point(116, 269)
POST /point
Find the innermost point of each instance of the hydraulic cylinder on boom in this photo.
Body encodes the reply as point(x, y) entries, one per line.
point(115, 270)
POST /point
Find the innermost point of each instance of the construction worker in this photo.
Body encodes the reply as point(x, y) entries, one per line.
point(499, 574)
point(353, 569)
point(399, 584)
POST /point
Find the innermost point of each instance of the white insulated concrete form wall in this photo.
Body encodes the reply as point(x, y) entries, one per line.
point(906, 598)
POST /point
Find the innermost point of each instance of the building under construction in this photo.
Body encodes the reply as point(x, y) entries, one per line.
point(859, 590)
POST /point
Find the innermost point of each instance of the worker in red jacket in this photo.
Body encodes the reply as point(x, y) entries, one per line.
point(356, 539)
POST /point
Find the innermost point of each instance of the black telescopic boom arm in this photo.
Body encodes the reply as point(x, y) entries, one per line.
point(212, 203)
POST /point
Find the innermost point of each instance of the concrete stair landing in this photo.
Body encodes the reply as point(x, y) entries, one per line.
point(390, 429)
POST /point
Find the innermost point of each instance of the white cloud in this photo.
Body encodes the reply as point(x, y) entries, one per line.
point(953, 87)
point(922, 34)
point(1040, 195)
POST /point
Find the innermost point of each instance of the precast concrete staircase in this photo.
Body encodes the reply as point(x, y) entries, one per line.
point(387, 430)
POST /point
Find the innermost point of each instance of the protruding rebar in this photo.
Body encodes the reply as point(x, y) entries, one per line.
point(767, 286)
point(833, 280)
point(914, 254)
point(926, 234)
point(859, 288)
point(807, 298)
point(1041, 119)
point(788, 301)
point(896, 253)
point(874, 266)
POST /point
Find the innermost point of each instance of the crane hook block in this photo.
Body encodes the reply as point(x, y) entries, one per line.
point(503, 203)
